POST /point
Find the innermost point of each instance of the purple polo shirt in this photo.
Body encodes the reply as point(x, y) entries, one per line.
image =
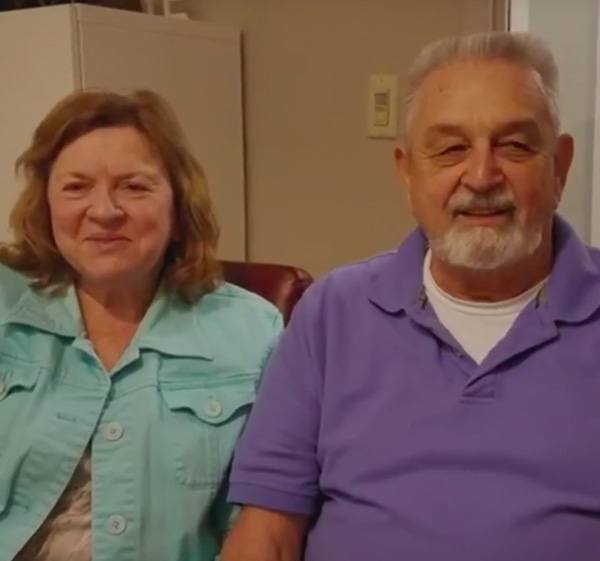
point(373, 420)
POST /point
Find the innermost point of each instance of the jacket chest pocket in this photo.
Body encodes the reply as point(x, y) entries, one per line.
point(17, 385)
point(204, 424)
point(17, 413)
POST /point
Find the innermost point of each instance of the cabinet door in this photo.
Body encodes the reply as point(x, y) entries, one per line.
point(197, 68)
point(36, 65)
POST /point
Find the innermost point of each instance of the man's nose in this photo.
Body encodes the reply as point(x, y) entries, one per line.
point(483, 171)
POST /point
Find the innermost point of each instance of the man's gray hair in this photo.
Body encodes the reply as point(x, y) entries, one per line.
point(521, 48)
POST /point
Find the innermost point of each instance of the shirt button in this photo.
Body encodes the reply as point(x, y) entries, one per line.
point(113, 431)
point(116, 524)
point(213, 408)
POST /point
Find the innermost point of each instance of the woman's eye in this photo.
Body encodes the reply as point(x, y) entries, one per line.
point(73, 187)
point(135, 186)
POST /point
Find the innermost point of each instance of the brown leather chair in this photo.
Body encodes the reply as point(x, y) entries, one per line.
point(280, 284)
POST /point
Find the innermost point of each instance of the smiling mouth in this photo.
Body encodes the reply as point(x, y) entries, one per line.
point(107, 240)
point(484, 212)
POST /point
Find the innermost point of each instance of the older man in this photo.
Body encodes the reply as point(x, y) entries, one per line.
point(442, 402)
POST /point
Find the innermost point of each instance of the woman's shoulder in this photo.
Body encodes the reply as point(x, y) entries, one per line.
point(236, 307)
point(12, 286)
point(230, 315)
point(237, 299)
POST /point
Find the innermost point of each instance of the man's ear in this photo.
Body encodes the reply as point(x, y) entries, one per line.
point(563, 156)
point(402, 169)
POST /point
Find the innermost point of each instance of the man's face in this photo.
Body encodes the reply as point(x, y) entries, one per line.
point(483, 167)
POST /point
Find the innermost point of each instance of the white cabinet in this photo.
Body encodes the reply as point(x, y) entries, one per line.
point(47, 52)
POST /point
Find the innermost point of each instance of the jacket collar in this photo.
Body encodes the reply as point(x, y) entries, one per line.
point(170, 326)
point(54, 313)
point(175, 328)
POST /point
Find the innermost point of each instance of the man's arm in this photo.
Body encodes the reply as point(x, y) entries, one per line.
point(265, 535)
point(276, 469)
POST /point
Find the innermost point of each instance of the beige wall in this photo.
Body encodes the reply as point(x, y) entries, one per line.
point(319, 192)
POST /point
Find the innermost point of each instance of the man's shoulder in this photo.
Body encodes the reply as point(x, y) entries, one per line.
point(347, 286)
point(359, 273)
point(594, 254)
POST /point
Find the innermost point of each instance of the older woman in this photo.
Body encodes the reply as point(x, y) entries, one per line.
point(126, 368)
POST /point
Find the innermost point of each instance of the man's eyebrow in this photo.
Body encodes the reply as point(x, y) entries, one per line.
point(445, 129)
point(527, 126)
point(439, 131)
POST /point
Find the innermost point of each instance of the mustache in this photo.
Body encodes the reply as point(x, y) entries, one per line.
point(467, 201)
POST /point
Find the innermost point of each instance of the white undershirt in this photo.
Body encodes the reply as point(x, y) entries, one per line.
point(477, 326)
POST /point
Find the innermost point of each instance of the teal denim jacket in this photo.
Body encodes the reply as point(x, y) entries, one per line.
point(161, 425)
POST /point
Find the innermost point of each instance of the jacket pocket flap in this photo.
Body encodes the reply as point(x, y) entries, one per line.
point(213, 405)
point(12, 377)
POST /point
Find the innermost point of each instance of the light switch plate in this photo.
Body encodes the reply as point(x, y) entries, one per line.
point(382, 106)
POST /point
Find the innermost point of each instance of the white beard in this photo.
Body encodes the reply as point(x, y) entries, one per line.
point(485, 248)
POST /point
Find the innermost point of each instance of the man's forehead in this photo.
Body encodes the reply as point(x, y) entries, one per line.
point(496, 92)
point(459, 79)
point(471, 68)
point(527, 126)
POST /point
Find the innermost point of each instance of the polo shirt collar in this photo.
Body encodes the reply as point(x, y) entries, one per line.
point(573, 291)
point(571, 295)
point(397, 284)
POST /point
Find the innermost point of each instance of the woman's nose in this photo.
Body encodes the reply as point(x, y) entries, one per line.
point(104, 204)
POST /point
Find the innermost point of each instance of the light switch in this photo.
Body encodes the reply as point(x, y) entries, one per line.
point(382, 108)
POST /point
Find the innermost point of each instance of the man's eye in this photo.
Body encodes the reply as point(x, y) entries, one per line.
point(451, 154)
point(453, 149)
point(515, 148)
point(518, 145)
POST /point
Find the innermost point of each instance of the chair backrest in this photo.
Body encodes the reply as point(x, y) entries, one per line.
point(280, 284)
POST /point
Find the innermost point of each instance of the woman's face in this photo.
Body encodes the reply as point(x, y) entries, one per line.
point(111, 208)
